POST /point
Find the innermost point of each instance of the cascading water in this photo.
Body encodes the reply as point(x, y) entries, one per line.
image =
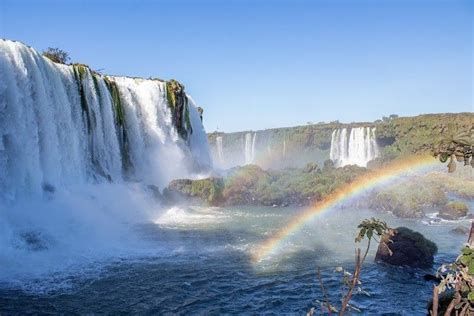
point(356, 148)
point(62, 125)
point(79, 154)
point(250, 147)
point(220, 152)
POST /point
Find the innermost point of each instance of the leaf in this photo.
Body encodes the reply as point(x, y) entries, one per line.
point(465, 259)
point(370, 232)
point(466, 251)
point(470, 296)
point(471, 267)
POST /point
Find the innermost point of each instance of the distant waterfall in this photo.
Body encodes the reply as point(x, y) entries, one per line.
point(356, 148)
point(220, 151)
point(250, 147)
point(62, 125)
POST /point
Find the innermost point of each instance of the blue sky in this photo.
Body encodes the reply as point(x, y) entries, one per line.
point(262, 64)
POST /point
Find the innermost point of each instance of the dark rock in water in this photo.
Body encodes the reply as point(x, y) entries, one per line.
point(49, 188)
point(409, 248)
point(460, 230)
point(453, 210)
point(34, 241)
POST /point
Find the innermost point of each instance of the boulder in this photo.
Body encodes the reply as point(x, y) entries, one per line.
point(408, 248)
point(460, 230)
point(453, 210)
point(207, 190)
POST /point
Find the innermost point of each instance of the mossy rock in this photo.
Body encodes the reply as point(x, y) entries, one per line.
point(409, 248)
point(208, 191)
point(178, 104)
point(453, 210)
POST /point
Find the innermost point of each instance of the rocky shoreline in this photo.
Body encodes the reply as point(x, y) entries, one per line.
point(418, 197)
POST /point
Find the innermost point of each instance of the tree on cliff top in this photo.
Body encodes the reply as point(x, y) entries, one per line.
point(57, 55)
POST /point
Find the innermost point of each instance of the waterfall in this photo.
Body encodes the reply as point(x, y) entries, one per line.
point(220, 152)
point(64, 125)
point(250, 147)
point(356, 148)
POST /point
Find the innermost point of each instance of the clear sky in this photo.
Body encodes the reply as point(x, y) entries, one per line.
point(261, 64)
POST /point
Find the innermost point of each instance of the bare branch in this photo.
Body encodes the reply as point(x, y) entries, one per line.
point(326, 298)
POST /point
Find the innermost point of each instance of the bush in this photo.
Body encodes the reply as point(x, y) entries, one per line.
point(57, 55)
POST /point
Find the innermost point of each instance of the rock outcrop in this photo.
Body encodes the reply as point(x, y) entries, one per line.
point(407, 248)
point(453, 210)
point(207, 190)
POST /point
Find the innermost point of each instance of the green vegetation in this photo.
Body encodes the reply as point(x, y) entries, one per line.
point(458, 184)
point(255, 186)
point(80, 71)
point(119, 115)
point(457, 285)
point(407, 199)
point(117, 103)
point(207, 190)
point(396, 136)
point(57, 55)
point(419, 134)
point(425, 193)
point(178, 104)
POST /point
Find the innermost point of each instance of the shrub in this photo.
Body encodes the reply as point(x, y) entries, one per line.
point(57, 55)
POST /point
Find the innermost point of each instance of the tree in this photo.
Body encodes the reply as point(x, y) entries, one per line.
point(57, 55)
point(459, 278)
point(459, 275)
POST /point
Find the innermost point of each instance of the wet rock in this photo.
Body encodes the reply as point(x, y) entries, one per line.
point(408, 248)
point(460, 230)
point(453, 210)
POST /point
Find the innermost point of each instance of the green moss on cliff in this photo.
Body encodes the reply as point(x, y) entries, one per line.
point(178, 104)
point(116, 101)
point(80, 72)
point(119, 115)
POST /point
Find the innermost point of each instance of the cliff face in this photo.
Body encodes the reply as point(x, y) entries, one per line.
point(297, 146)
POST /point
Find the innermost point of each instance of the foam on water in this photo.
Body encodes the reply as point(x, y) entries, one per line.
point(190, 216)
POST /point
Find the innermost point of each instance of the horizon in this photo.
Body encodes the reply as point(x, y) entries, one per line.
point(382, 66)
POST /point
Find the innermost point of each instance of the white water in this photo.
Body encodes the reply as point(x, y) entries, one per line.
point(357, 148)
point(68, 177)
point(220, 151)
point(250, 148)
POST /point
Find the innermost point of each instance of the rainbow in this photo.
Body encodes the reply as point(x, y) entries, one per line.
point(362, 184)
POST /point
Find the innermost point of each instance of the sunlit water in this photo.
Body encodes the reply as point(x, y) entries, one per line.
point(198, 261)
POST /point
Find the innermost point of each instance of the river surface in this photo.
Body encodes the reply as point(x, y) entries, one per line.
point(199, 261)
